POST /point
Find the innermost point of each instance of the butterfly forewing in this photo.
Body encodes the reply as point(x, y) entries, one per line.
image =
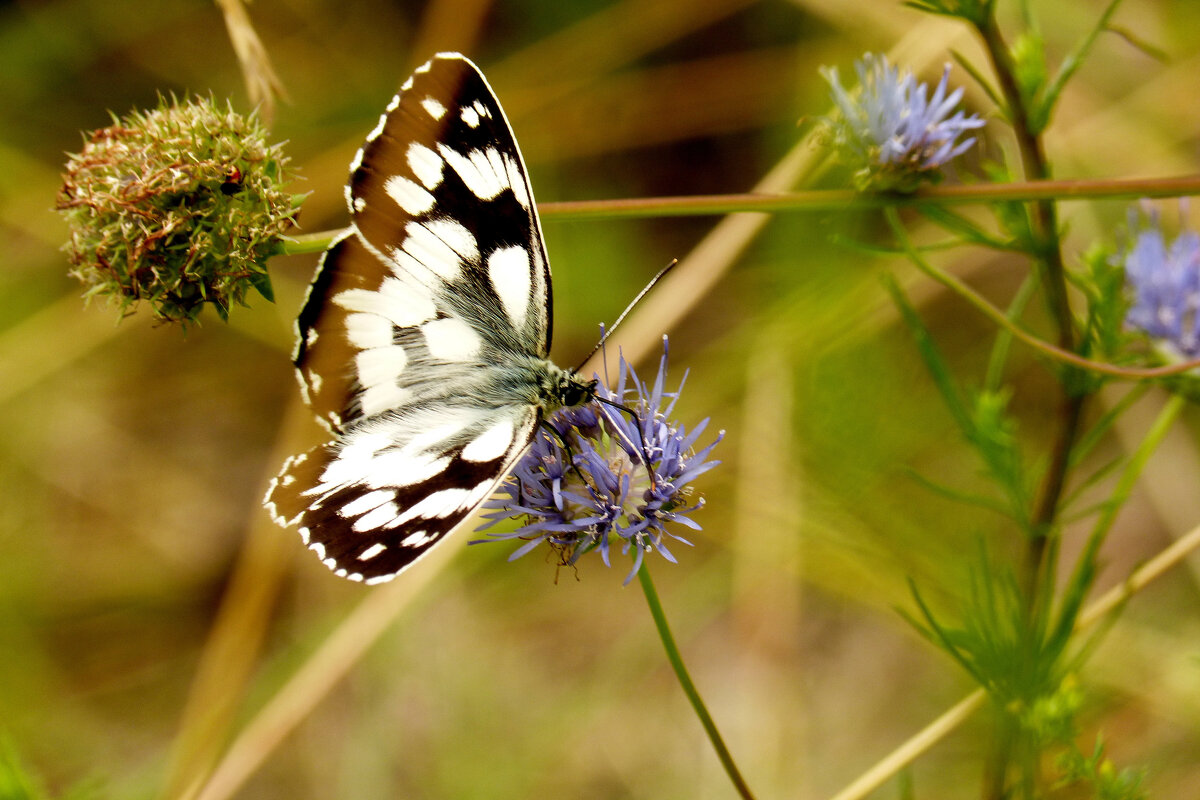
point(423, 338)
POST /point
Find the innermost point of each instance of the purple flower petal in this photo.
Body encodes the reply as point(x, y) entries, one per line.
point(577, 501)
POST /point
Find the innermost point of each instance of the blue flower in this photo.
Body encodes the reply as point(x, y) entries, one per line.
point(1165, 284)
point(597, 490)
point(892, 131)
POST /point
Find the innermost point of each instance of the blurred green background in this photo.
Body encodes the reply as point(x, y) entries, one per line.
point(133, 457)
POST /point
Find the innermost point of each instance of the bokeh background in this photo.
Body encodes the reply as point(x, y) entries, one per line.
point(149, 610)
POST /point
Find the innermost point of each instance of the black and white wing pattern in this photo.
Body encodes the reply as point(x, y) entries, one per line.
point(423, 340)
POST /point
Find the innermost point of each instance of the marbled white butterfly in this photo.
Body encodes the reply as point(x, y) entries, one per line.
point(423, 341)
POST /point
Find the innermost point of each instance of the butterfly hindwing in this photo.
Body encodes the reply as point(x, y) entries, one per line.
point(423, 338)
point(369, 507)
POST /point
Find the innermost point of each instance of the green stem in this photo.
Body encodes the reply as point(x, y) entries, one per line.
point(1125, 484)
point(844, 200)
point(1046, 246)
point(825, 200)
point(307, 243)
point(1000, 318)
point(689, 688)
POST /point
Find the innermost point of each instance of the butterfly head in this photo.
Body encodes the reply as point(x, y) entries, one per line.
point(565, 389)
point(576, 392)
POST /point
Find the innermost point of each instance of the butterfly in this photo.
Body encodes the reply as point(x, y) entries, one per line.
point(423, 341)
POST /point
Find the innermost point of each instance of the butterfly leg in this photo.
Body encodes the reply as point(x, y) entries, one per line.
point(644, 449)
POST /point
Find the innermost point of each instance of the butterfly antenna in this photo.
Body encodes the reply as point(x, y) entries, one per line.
point(607, 332)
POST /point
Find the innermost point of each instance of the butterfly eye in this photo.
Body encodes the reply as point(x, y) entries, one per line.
point(576, 394)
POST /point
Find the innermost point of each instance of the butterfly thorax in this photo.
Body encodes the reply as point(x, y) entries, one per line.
point(545, 385)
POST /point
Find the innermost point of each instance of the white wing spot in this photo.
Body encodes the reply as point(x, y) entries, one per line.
point(319, 549)
point(359, 205)
point(417, 539)
point(442, 504)
point(368, 330)
point(378, 371)
point(481, 109)
point(440, 246)
point(367, 502)
point(495, 162)
point(425, 164)
point(394, 104)
point(316, 381)
point(491, 444)
point(456, 235)
point(381, 397)
point(434, 506)
point(404, 87)
point(476, 170)
point(371, 552)
point(508, 269)
point(395, 301)
point(435, 109)
point(405, 469)
point(408, 195)
point(369, 457)
point(376, 518)
point(442, 425)
point(378, 579)
point(516, 180)
point(451, 339)
point(471, 117)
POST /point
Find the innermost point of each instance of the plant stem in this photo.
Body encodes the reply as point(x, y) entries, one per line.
point(1040, 555)
point(848, 200)
point(689, 688)
point(998, 316)
point(824, 200)
point(307, 243)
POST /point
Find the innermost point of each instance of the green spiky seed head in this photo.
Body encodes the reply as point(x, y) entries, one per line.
point(179, 206)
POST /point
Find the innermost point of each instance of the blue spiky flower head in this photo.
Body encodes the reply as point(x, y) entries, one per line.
point(892, 131)
point(597, 492)
point(1164, 283)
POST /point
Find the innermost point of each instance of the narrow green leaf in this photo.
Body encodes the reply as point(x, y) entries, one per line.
point(262, 283)
point(1070, 65)
point(964, 227)
point(984, 84)
point(1004, 337)
point(957, 495)
point(938, 635)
